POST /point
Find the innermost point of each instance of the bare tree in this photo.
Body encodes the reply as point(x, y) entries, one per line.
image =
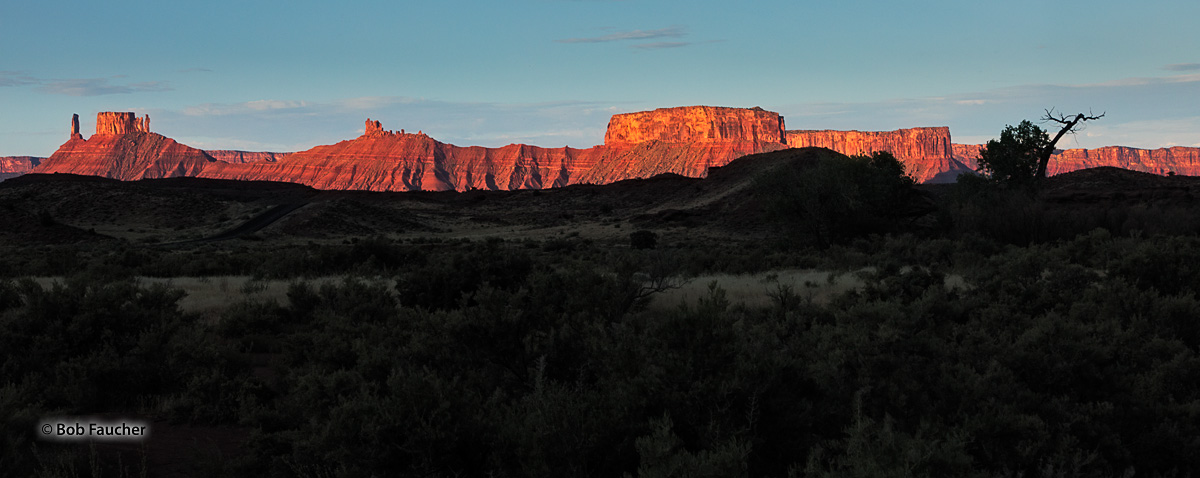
point(1070, 125)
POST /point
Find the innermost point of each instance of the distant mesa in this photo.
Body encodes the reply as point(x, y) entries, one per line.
point(687, 141)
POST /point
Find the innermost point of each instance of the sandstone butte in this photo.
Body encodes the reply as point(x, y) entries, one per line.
point(683, 140)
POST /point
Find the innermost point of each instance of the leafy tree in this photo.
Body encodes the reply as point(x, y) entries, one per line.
point(1023, 153)
point(1015, 157)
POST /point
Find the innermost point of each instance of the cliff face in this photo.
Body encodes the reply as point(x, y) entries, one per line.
point(695, 124)
point(924, 151)
point(123, 148)
point(410, 162)
point(1179, 159)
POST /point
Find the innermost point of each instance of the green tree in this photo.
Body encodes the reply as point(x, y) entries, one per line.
point(1023, 153)
point(1014, 158)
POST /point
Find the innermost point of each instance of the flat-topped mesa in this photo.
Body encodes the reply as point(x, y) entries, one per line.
point(111, 122)
point(696, 124)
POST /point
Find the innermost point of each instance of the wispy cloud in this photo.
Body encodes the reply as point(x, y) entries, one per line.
point(1182, 67)
point(669, 32)
point(256, 106)
point(660, 44)
point(81, 86)
point(15, 78)
point(99, 86)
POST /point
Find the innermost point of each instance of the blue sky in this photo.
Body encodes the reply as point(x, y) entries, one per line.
point(286, 76)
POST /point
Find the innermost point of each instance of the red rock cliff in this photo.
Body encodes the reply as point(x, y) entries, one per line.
point(383, 160)
point(925, 151)
point(695, 124)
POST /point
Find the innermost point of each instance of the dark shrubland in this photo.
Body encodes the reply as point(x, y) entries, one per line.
point(1076, 357)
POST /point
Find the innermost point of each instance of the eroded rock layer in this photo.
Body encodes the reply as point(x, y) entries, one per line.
point(127, 157)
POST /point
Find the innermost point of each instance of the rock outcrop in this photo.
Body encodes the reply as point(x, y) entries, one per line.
point(695, 124)
point(75, 127)
point(117, 123)
point(123, 148)
point(924, 151)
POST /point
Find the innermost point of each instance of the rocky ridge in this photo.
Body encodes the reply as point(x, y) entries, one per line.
point(684, 140)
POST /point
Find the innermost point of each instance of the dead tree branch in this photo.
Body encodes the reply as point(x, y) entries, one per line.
point(1069, 125)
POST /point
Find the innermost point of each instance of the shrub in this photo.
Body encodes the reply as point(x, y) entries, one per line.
point(643, 239)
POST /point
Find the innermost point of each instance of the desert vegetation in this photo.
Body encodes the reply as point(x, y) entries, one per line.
point(967, 330)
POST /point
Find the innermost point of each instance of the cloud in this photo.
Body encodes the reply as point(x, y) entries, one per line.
point(15, 78)
point(82, 86)
point(661, 44)
point(669, 32)
point(218, 109)
point(97, 87)
point(195, 70)
point(1182, 67)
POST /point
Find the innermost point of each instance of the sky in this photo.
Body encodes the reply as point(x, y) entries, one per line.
point(286, 76)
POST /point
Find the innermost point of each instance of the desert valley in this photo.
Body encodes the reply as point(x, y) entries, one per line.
point(706, 293)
